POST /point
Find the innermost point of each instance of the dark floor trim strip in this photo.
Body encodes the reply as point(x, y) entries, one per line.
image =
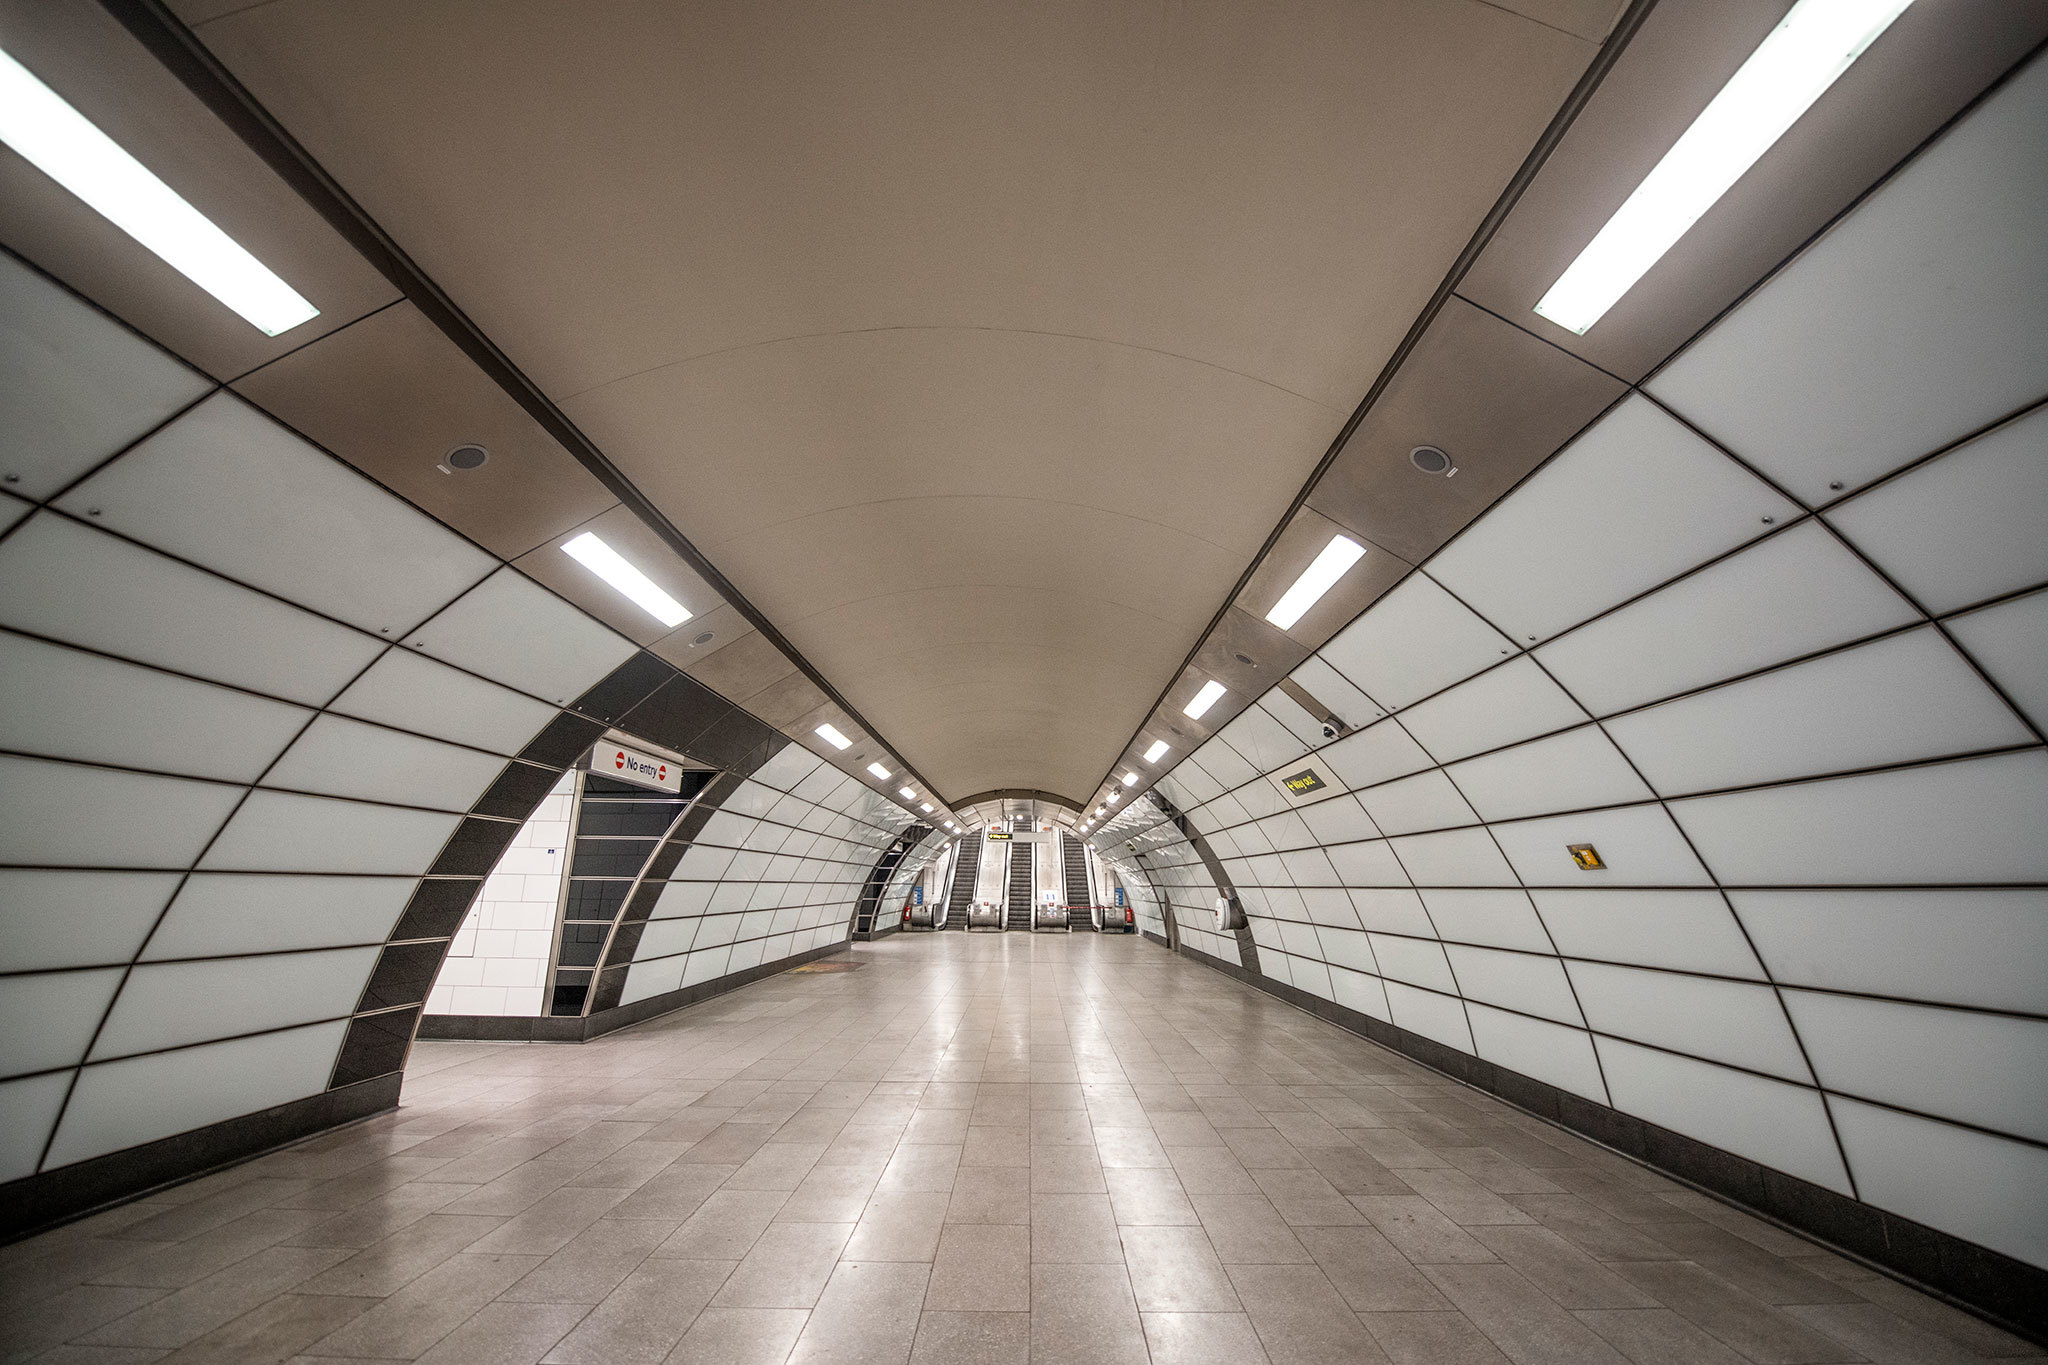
point(2008, 1293)
point(36, 1202)
point(490, 1028)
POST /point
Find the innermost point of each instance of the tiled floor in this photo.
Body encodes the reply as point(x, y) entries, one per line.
point(975, 1148)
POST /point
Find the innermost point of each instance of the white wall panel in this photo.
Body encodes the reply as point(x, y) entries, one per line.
point(282, 832)
point(1502, 919)
point(1510, 703)
point(28, 1111)
point(1338, 820)
point(1263, 742)
point(1920, 317)
point(1552, 1053)
point(1376, 754)
point(1328, 905)
point(120, 1104)
point(1378, 651)
point(75, 584)
point(171, 1004)
point(2010, 642)
point(1973, 820)
point(419, 694)
point(76, 919)
point(1424, 801)
point(1984, 1189)
point(1367, 865)
point(1966, 947)
point(1634, 501)
point(1639, 844)
point(47, 1018)
point(229, 489)
point(1420, 962)
point(1459, 857)
point(218, 913)
point(1684, 930)
point(1356, 990)
point(1225, 764)
point(1989, 1070)
point(511, 630)
point(1516, 981)
point(644, 979)
point(1723, 1021)
point(1441, 1017)
point(1571, 771)
point(1892, 701)
point(1336, 692)
point(1782, 1126)
point(1793, 594)
point(341, 757)
point(1348, 948)
point(64, 814)
point(75, 385)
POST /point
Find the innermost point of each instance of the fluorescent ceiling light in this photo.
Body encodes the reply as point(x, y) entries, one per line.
point(65, 145)
point(949, 824)
point(1113, 797)
point(907, 793)
point(1318, 578)
point(1130, 779)
point(1211, 692)
point(881, 773)
point(1157, 751)
point(830, 734)
point(1100, 809)
point(1792, 68)
point(925, 806)
point(608, 564)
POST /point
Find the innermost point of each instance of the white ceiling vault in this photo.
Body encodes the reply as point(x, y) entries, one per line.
point(980, 346)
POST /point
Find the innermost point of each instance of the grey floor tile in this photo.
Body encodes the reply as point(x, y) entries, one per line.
point(985, 1338)
point(981, 1268)
point(1084, 1314)
point(868, 1313)
point(1524, 1322)
point(740, 1336)
point(1369, 1272)
point(593, 1263)
point(1882, 1336)
point(644, 1318)
point(411, 1321)
point(506, 1334)
point(1568, 1275)
point(725, 1226)
point(1762, 1333)
point(1246, 1229)
point(1203, 1339)
point(1657, 1336)
point(1074, 1228)
point(1175, 1269)
point(1448, 1338)
point(786, 1268)
point(1300, 1317)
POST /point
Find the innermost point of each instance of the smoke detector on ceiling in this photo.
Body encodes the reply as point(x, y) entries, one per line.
point(704, 638)
point(1432, 460)
point(463, 458)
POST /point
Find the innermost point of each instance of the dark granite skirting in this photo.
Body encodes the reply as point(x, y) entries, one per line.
point(487, 1028)
point(2010, 1293)
point(39, 1201)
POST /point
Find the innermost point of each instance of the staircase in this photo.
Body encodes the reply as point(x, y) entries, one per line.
point(965, 869)
point(1019, 902)
point(1074, 866)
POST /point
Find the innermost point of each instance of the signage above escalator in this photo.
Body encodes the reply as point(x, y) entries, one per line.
point(630, 765)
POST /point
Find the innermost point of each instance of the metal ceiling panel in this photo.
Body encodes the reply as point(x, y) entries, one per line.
point(1307, 535)
point(639, 546)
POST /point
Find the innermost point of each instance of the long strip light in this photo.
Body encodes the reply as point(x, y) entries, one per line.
point(68, 147)
point(830, 734)
point(881, 773)
point(907, 793)
point(608, 564)
point(1130, 779)
point(1318, 578)
point(1157, 751)
point(925, 806)
point(1813, 45)
point(1212, 692)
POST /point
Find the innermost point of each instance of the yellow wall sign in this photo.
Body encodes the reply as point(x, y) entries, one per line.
point(1586, 857)
point(1302, 783)
point(999, 834)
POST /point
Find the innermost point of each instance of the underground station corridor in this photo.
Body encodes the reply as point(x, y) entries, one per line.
point(882, 681)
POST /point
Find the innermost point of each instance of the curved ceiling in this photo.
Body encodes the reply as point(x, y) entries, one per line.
point(981, 347)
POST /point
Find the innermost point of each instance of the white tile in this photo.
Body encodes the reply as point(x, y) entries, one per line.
point(1962, 947)
point(1736, 1022)
point(1336, 692)
point(1973, 820)
point(1684, 930)
point(171, 1004)
point(62, 814)
point(120, 1104)
point(2010, 642)
point(1501, 919)
point(1348, 948)
point(1920, 317)
point(1794, 594)
point(1339, 820)
point(28, 1111)
point(1378, 753)
point(1518, 981)
point(419, 694)
point(1356, 990)
point(1263, 741)
point(1513, 702)
point(511, 630)
point(1965, 527)
point(1419, 962)
point(75, 584)
point(1779, 1125)
point(1634, 501)
point(644, 979)
point(341, 757)
point(1328, 905)
point(47, 1018)
point(1459, 857)
point(1226, 765)
point(1572, 771)
point(1989, 1070)
point(1895, 700)
point(1552, 1053)
point(1981, 1188)
point(1396, 911)
point(282, 832)
point(216, 913)
point(75, 386)
point(77, 919)
point(229, 489)
point(705, 965)
point(1440, 1017)
point(1424, 801)
point(1639, 844)
point(1414, 641)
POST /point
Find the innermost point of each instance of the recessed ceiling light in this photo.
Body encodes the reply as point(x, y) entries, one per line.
point(907, 793)
point(1212, 692)
point(1100, 809)
point(463, 458)
point(608, 564)
point(830, 734)
point(881, 773)
point(1812, 46)
point(949, 824)
point(1113, 797)
point(925, 806)
point(1318, 578)
point(66, 146)
point(1157, 751)
point(1130, 779)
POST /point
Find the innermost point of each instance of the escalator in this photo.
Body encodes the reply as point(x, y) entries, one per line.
point(961, 895)
point(1019, 900)
point(1074, 869)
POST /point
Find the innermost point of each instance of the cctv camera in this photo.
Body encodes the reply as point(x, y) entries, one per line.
point(1329, 730)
